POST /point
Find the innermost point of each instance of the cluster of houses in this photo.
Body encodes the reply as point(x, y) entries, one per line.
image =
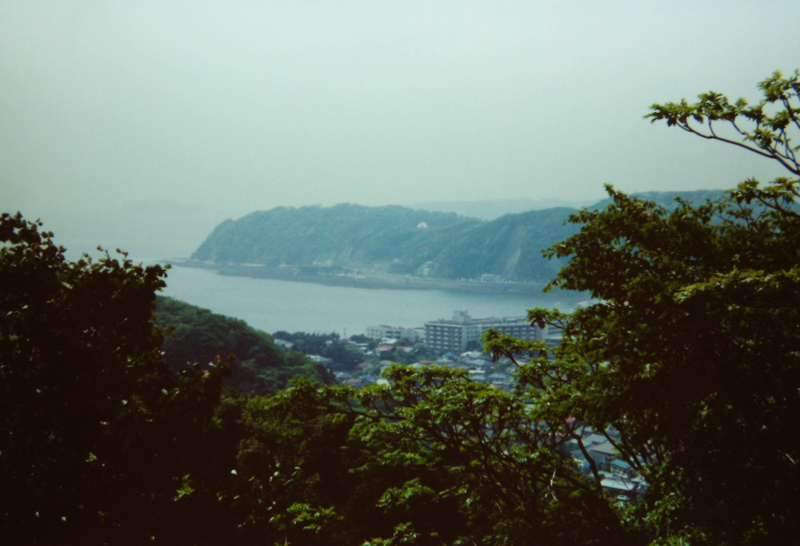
point(617, 476)
point(477, 365)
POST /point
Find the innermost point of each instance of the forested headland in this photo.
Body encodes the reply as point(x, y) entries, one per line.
point(363, 243)
point(687, 363)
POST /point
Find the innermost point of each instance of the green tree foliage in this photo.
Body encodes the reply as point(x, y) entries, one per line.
point(432, 458)
point(360, 338)
point(294, 467)
point(669, 200)
point(691, 349)
point(97, 432)
point(764, 128)
point(258, 365)
point(460, 462)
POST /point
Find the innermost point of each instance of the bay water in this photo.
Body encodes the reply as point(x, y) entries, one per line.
point(272, 305)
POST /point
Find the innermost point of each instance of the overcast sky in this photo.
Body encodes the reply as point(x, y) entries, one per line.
point(240, 106)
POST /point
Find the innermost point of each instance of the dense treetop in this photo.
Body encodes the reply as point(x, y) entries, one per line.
point(95, 427)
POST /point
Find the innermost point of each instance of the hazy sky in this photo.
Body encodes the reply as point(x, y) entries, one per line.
point(240, 106)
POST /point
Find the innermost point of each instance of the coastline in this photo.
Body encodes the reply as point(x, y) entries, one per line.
point(360, 280)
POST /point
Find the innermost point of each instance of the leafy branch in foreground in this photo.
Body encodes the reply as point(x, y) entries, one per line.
point(755, 128)
point(479, 458)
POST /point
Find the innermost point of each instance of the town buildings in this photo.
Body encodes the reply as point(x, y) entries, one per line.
point(454, 335)
point(382, 332)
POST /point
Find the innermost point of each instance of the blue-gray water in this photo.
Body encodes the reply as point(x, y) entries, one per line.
point(271, 305)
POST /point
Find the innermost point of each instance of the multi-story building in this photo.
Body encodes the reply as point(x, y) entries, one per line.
point(392, 332)
point(454, 335)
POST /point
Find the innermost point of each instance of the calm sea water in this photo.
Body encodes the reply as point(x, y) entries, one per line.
point(271, 305)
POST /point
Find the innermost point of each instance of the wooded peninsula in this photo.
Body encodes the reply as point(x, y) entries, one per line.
point(399, 247)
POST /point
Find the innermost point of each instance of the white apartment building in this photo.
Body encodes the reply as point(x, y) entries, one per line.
point(453, 335)
point(392, 332)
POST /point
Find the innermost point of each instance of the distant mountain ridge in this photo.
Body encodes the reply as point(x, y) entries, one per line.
point(349, 239)
point(491, 209)
point(667, 199)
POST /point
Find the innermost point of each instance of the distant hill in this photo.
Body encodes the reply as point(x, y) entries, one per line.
point(340, 236)
point(398, 240)
point(261, 366)
point(394, 239)
point(491, 209)
point(667, 198)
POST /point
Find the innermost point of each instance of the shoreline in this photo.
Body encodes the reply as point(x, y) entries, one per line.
point(372, 281)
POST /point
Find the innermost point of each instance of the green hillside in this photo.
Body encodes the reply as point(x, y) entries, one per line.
point(342, 235)
point(401, 240)
point(667, 199)
point(509, 246)
point(260, 367)
point(391, 240)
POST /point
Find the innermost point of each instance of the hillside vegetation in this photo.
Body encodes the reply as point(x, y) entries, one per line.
point(343, 235)
point(390, 240)
point(668, 199)
point(400, 240)
point(199, 336)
